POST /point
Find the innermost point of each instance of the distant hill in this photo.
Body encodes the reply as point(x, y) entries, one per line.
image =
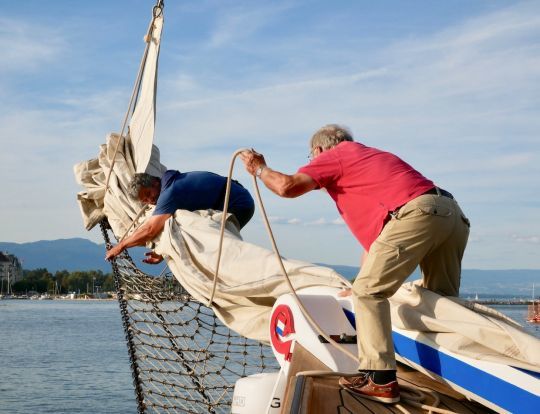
point(68, 254)
point(82, 254)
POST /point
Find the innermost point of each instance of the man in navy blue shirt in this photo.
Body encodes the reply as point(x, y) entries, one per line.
point(196, 190)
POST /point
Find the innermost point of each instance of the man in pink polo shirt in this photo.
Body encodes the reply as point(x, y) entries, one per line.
point(401, 219)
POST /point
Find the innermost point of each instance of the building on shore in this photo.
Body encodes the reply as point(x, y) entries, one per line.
point(10, 269)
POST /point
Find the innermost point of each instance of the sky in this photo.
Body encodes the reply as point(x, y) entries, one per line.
point(452, 87)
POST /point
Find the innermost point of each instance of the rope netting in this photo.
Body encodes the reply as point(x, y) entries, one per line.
point(183, 359)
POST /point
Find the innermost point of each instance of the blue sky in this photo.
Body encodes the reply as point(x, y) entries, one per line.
point(452, 87)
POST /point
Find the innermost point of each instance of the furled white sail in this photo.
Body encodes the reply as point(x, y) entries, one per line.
point(142, 124)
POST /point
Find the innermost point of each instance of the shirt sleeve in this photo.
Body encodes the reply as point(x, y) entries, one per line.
point(324, 170)
point(165, 204)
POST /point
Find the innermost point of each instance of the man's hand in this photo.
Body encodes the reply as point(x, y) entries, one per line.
point(283, 185)
point(113, 252)
point(252, 161)
point(148, 231)
point(344, 293)
point(153, 258)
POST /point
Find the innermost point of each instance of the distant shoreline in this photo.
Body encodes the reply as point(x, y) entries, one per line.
point(490, 301)
point(59, 299)
point(502, 302)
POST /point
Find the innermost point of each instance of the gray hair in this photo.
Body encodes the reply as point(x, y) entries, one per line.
point(140, 180)
point(329, 136)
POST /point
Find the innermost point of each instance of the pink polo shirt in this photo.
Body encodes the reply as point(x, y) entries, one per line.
point(366, 184)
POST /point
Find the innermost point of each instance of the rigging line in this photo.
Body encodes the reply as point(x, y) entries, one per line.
point(223, 221)
point(156, 12)
point(137, 216)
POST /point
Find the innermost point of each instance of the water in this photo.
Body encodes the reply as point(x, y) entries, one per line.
point(63, 357)
point(519, 313)
point(71, 357)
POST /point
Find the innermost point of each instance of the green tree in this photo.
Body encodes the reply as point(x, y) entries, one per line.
point(39, 280)
point(61, 278)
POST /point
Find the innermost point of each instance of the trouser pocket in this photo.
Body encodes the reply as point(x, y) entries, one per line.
point(432, 209)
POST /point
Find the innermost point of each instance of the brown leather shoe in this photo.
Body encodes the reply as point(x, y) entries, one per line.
point(363, 386)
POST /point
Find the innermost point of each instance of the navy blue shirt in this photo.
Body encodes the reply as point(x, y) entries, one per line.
point(202, 190)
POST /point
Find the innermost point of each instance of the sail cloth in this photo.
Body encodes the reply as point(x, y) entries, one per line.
point(97, 203)
point(465, 328)
point(141, 126)
point(250, 278)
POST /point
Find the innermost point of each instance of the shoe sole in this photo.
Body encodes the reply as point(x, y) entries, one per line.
point(385, 400)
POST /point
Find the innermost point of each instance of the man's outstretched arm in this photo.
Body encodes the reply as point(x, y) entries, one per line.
point(148, 231)
point(288, 186)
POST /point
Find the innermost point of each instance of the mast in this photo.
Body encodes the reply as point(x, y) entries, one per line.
point(8, 281)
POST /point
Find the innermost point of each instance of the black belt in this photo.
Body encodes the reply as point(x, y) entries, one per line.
point(439, 191)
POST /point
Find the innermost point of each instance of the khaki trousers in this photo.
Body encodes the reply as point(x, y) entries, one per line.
point(430, 231)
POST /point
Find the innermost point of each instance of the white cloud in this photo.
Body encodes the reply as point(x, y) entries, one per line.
point(447, 89)
point(241, 22)
point(319, 222)
point(277, 220)
point(526, 239)
point(283, 220)
point(294, 221)
point(26, 46)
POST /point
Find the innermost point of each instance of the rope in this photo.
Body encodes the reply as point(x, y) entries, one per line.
point(410, 399)
point(223, 221)
point(156, 12)
point(139, 214)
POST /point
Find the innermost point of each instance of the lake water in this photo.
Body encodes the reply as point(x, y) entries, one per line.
point(70, 357)
point(63, 357)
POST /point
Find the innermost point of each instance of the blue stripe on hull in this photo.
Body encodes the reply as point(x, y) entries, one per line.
point(491, 388)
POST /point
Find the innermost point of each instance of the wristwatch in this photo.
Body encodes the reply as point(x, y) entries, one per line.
point(259, 171)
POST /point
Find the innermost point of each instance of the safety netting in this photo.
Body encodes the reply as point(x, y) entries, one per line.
point(183, 359)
